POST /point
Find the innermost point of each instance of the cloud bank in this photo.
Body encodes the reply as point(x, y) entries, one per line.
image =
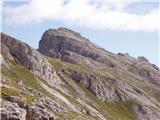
point(95, 14)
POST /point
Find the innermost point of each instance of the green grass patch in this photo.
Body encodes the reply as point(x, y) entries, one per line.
point(8, 92)
point(56, 63)
point(16, 73)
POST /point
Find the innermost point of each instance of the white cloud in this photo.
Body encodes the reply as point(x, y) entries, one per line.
point(97, 14)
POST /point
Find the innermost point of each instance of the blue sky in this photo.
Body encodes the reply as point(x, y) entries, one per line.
point(119, 26)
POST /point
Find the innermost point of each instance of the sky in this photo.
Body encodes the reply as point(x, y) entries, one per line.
point(127, 26)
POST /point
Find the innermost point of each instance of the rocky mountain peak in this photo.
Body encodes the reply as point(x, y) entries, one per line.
point(62, 43)
point(67, 33)
point(68, 46)
point(92, 83)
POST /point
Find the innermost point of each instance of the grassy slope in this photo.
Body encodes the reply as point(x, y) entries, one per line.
point(112, 111)
point(15, 73)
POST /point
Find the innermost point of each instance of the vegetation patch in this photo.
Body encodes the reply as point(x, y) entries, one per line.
point(8, 92)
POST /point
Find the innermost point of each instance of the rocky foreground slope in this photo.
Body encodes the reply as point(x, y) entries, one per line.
point(70, 78)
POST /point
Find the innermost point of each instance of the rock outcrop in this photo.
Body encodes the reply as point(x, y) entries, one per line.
point(12, 111)
point(28, 57)
point(5, 52)
point(145, 113)
point(62, 42)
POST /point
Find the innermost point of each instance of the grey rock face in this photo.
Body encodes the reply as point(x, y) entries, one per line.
point(14, 110)
point(56, 43)
point(38, 113)
point(142, 59)
point(103, 90)
point(145, 113)
point(11, 111)
point(112, 90)
point(30, 58)
point(5, 52)
point(17, 100)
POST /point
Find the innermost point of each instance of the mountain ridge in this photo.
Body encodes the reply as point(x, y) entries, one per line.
point(74, 80)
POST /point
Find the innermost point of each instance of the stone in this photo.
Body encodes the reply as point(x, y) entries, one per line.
point(142, 59)
point(5, 52)
point(38, 113)
point(11, 111)
point(145, 113)
point(155, 66)
point(17, 100)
